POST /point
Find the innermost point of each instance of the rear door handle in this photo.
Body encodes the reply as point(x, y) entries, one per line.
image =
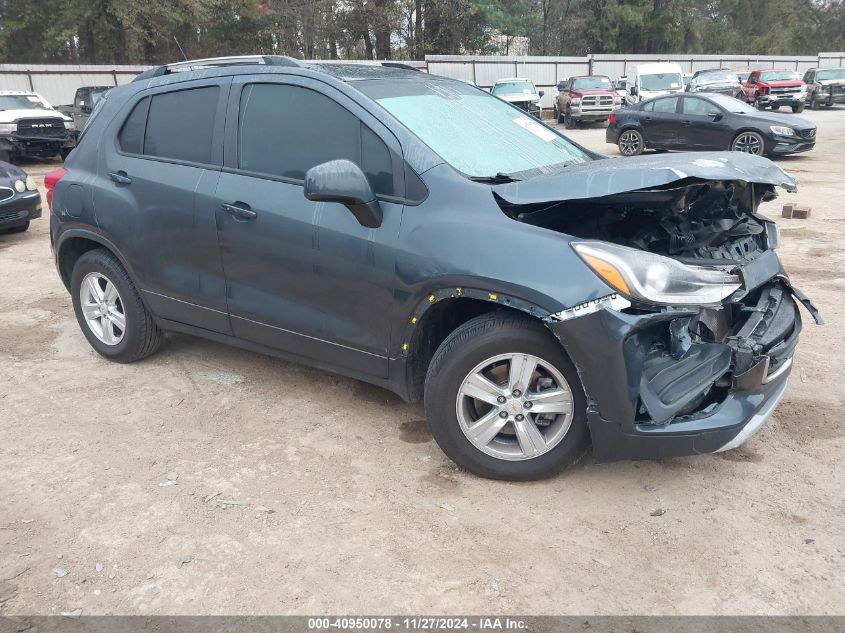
point(240, 211)
point(686, 122)
point(120, 177)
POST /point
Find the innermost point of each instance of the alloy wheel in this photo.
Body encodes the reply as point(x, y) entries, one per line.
point(102, 308)
point(748, 143)
point(515, 407)
point(629, 143)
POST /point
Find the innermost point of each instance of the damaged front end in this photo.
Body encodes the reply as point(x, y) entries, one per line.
point(690, 350)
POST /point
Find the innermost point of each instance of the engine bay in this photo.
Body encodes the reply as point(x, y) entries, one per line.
point(690, 221)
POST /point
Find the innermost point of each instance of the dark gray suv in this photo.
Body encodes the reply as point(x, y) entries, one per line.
point(420, 234)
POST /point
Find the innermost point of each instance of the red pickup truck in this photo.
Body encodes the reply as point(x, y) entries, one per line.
point(587, 98)
point(775, 88)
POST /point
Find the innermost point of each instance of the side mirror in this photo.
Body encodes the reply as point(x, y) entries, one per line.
point(343, 181)
point(541, 93)
point(633, 90)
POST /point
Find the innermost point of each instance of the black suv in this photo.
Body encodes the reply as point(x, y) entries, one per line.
point(420, 234)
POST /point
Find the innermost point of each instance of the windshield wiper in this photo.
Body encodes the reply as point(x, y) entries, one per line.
point(498, 179)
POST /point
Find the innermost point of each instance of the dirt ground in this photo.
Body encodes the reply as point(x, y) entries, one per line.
point(210, 480)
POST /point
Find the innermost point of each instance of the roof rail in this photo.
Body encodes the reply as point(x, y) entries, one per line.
point(217, 62)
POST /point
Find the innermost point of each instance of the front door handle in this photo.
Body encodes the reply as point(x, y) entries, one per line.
point(120, 177)
point(240, 211)
point(687, 122)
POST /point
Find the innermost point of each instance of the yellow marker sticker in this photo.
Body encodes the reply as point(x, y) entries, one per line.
point(404, 346)
point(431, 298)
point(494, 297)
point(413, 320)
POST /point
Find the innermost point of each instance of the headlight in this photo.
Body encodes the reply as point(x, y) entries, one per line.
point(653, 278)
point(30, 183)
point(576, 100)
point(8, 128)
point(617, 100)
point(70, 125)
point(782, 131)
point(20, 186)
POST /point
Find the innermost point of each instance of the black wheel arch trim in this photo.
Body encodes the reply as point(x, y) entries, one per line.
point(433, 297)
point(99, 238)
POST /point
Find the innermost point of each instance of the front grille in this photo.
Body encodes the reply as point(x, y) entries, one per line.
point(837, 90)
point(6, 193)
point(810, 135)
point(597, 100)
point(784, 91)
point(40, 128)
point(11, 215)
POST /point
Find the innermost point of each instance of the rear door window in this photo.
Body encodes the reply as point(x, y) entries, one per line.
point(180, 125)
point(667, 105)
point(286, 130)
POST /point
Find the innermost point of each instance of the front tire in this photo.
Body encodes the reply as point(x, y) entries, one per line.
point(631, 143)
point(109, 309)
point(5, 157)
point(748, 142)
point(798, 109)
point(568, 121)
point(504, 401)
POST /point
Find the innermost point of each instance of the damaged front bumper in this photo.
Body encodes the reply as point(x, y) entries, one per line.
point(683, 381)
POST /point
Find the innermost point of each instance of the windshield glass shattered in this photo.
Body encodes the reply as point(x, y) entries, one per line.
point(514, 87)
point(720, 76)
point(662, 81)
point(478, 134)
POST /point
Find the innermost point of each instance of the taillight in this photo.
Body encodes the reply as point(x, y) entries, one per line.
point(50, 181)
point(611, 119)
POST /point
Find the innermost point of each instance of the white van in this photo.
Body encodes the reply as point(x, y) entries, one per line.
point(654, 80)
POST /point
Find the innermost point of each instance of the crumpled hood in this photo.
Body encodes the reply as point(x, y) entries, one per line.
point(605, 177)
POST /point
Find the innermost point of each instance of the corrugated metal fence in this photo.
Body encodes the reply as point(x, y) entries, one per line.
point(545, 72)
point(59, 83)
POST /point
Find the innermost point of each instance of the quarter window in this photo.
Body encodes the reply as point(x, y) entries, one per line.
point(131, 137)
point(286, 130)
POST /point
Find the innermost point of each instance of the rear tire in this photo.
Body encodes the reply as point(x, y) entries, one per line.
point(631, 142)
point(503, 341)
point(121, 329)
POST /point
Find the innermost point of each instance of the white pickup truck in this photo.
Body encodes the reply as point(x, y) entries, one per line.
point(30, 126)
